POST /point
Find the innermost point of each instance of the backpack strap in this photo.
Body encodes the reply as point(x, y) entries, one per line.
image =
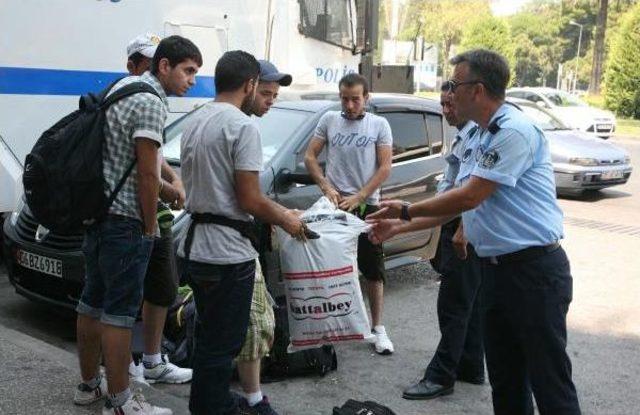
point(127, 90)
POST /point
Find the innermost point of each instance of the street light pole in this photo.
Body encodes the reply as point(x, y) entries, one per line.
point(575, 76)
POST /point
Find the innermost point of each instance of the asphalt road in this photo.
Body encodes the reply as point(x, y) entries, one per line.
point(603, 242)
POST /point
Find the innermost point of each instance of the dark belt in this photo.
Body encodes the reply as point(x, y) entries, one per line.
point(245, 228)
point(523, 254)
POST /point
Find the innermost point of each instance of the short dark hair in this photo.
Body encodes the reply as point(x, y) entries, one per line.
point(233, 69)
point(176, 49)
point(136, 58)
point(353, 79)
point(489, 67)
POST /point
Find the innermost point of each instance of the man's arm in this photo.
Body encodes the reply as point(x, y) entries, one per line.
point(251, 200)
point(385, 229)
point(313, 166)
point(148, 182)
point(383, 155)
point(172, 190)
point(451, 203)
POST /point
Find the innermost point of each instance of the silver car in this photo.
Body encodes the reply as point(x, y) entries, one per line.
point(580, 161)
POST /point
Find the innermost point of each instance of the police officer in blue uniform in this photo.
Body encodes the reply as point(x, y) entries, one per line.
point(460, 355)
point(512, 218)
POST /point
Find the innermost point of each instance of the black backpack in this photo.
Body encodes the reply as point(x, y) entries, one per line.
point(353, 407)
point(63, 180)
point(179, 328)
point(279, 364)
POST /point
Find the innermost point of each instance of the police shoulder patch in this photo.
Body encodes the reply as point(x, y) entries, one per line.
point(489, 159)
point(467, 154)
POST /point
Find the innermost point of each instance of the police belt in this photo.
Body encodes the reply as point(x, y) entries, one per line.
point(523, 254)
point(245, 228)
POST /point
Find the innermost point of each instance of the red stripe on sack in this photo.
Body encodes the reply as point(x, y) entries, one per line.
point(318, 274)
point(327, 339)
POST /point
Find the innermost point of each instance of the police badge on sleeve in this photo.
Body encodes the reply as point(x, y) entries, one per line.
point(489, 159)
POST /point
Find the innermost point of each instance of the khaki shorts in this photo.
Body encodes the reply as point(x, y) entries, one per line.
point(261, 322)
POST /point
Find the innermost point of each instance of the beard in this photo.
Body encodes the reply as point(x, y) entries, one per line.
point(247, 105)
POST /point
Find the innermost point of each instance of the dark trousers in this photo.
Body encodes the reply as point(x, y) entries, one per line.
point(460, 352)
point(222, 295)
point(526, 304)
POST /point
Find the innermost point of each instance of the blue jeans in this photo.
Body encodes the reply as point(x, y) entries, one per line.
point(222, 295)
point(116, 256)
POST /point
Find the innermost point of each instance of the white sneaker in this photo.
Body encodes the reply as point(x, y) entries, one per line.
point(136, 373)
point(382, 343)
point(167, 372)
point(137, 405)
point(86, 396)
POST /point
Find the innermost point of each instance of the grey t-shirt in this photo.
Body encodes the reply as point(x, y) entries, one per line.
point(219, 141)
point(351, 150)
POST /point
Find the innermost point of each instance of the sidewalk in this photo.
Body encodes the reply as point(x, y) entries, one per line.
point(37, 378)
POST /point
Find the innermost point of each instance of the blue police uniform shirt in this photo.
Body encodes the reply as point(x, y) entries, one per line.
point(523, 210)
point(453, 158)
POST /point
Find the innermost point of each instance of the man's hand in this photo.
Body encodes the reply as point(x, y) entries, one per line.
point(332, 194)
point(460, 242)
point(389, 209)
point(350, 203)
point(182, 195)
point(383, 229)
point(294, 226)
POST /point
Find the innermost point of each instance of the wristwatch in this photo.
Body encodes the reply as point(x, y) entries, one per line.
point(404, 212)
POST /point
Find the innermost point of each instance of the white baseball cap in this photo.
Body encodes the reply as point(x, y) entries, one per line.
point(144, 44)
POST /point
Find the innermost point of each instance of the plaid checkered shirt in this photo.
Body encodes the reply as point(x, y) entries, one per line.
point(139, 115)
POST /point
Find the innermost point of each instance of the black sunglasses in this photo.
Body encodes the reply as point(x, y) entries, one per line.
point(450, 86)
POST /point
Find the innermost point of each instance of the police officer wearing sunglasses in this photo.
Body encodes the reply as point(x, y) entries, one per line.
point(511, 217)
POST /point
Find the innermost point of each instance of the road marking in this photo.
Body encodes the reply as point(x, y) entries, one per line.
point(603, 226)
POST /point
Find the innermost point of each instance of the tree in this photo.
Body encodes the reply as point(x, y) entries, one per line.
point(622, 78)
point(598, 48)
point(489, 33)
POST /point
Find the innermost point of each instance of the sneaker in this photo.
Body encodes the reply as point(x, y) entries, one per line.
point(86, 396)
point(263, 407)
point(167, 372)
point(137, 405)
point(136, 373)
point(382, 343)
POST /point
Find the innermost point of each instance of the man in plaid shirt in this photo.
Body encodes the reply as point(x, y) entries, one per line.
point(117, 249)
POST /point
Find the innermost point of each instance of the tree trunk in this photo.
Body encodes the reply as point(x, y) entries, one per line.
point(598, 49)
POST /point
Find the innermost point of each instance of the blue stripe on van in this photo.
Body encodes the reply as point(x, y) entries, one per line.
point(38, 81)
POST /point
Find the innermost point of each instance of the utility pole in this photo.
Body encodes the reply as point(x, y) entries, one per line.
point(575, 79)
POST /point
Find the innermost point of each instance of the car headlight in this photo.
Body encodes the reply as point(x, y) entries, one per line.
point(15, 214)
point(583, 161)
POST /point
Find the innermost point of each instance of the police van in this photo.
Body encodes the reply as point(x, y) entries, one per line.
point(55, 51)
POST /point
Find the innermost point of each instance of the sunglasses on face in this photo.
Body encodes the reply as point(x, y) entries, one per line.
point(451, 85)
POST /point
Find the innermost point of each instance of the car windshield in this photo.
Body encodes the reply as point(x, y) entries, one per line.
point(275, 128)
point(563, 99)
point(542, 119)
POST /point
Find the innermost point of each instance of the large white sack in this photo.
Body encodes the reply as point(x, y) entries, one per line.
point(324, 298)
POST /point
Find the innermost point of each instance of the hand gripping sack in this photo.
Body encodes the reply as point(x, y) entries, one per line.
point(63, 180)
point(324, 299)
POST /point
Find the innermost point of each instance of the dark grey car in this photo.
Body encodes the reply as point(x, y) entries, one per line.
point(50, 268)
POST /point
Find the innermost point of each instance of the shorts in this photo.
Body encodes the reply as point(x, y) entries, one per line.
point(370, 255)
point(261, 322)
point(161, 279)
point(116, 258)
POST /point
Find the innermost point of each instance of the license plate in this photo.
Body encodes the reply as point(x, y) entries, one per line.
point(39, 263)
point(604, 127)
point(612, 175)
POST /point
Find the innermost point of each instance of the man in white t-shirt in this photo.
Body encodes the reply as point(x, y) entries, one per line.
point(221, 157)
point(358, 146)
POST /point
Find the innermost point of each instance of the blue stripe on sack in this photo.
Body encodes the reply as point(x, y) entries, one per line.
point(38, 81)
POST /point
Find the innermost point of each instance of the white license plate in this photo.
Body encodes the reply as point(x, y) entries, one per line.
point(40, 263)
point(612, 175)
point(604, 127)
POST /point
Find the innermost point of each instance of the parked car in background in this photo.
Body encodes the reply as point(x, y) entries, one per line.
point(580, 161)
point(49, 267)
point(570, 109)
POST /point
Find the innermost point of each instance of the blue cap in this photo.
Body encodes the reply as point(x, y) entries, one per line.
point(269, 73)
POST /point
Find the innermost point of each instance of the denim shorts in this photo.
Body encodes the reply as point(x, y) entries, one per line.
point(116, 258)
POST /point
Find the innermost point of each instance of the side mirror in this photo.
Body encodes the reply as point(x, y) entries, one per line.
point(285, 178)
